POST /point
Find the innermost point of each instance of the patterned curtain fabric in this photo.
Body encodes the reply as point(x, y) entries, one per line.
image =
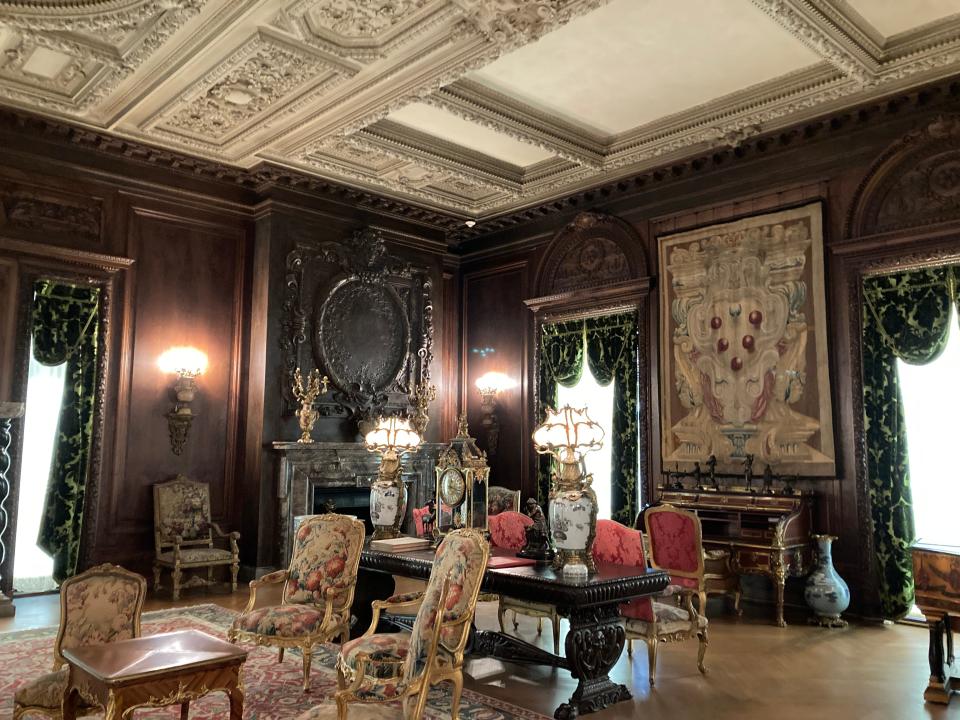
point(65, 329)
point(906, 315)
point(612, 351)
point(612, 345)
point(561, 363)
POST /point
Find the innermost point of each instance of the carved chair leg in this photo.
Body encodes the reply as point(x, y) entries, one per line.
point(515, 623)
point(501, 611)
point(341, 680)
point(421, 701)
point(156, 577)
point(556, 633)
point(702, 636)
point(280, 655)
point(341, 708)
point(210, 575)
point(307, 662)
point(177, 578)
point(652, 659)
point(539, 626)
point(702, 595)
point(457, 681)
point(234, 570)
point(629, 647)
point(736, 602)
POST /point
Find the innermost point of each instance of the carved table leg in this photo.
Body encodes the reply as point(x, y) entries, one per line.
point(778, 567)
point(236, 703)
point(593, 646)
point(939, 689)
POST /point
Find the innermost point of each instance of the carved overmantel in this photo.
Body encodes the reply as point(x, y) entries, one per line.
point(302, 467)
point(365, 319)
point(8, 412)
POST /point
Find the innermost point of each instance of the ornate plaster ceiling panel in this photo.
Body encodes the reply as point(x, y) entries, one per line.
point(891, 17)
point(471, 107)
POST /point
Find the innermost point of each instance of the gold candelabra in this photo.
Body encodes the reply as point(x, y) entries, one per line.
point(307, 394)
point(421, 399)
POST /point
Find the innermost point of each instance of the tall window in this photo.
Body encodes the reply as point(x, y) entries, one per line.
point(32, 567)
point(931, 395)
point(598, 400)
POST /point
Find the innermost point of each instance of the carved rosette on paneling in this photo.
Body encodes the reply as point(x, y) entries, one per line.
point(916, 182)
point(368, 317)
point(593, 250)
point(33, 211)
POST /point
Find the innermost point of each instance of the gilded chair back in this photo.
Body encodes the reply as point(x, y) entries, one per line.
point(181, 507)
point(326, 554)
point(99, 606)
point(458, 569)
point(508, 529)
point(618, 544)
point(676, 541)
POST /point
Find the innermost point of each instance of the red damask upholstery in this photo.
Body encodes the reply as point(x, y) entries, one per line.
point(616, 543)
point(418, 514)
point(507, 529)
point(675, 541)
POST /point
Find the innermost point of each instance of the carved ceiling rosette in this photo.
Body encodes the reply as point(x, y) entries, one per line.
point(369, 319)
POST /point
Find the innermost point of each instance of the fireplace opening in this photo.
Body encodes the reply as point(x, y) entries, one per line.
point(343, 500)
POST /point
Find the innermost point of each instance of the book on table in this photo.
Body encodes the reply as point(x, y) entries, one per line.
point(400, 544)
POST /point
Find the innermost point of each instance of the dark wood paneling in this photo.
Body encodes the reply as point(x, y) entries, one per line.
point(8, 317)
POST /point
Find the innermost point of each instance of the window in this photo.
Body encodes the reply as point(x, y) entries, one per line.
point(598, 399)
point(32, 567)
point(931, 396)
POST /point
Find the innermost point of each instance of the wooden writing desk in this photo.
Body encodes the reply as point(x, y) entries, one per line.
point(596, 638)
point(936, 574)
point(154, 671)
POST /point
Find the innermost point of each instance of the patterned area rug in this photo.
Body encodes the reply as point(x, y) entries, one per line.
point(273, 690)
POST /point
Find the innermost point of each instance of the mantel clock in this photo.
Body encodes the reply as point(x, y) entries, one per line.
point(462, 481)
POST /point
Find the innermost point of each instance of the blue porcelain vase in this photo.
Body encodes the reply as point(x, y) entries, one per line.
point(826, 592)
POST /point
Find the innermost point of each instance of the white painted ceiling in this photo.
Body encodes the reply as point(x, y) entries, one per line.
point(473, 107)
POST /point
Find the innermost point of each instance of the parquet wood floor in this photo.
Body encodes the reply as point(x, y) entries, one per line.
point(756, 670)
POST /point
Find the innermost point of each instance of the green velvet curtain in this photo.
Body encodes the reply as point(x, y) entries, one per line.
point(65, 329)
point(610, 345)
point(906, 315)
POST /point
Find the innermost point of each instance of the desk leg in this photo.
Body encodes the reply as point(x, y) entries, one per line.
point(593, 646)
point(939, 689)
point(778, 566)
point(236, 703)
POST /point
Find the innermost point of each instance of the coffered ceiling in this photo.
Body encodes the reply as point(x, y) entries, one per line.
point(473, 107)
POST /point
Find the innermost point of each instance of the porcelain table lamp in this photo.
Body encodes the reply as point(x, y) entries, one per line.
point(568, 434)
point(391, 437)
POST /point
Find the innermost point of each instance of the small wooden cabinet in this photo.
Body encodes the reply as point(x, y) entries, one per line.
point(764, 534)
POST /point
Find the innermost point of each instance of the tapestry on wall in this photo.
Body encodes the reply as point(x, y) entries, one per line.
point(744, 366)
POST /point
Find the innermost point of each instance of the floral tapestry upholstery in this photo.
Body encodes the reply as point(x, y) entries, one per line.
point(182, 508)
point(386, 653)
point(507, 530)
point(325, 555)
point(670, 619)
point(100, 608)
point(501, 499)
point(616, 543)
point(461, 559)
point(674, 540)
point(289, 621)
point(198, 555)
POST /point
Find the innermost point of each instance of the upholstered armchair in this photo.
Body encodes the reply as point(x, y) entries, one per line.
point(317, 594)
point(380, 668)
point(507, 530)
point(649, 619)
point(501, 499)
point(184, 533)
point(98, 606)
point(676, 547)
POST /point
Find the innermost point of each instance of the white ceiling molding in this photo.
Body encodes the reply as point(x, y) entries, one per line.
point(312, 84)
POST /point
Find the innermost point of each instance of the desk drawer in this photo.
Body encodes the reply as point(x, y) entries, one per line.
point(752, 560)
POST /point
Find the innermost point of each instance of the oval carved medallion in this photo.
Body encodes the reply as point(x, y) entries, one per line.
point(363, 335)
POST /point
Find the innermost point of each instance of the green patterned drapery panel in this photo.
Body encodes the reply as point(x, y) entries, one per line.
point(906, 315)
point(65, 328)
point(610, 345)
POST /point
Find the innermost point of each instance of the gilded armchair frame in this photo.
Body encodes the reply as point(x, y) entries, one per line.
point(434, 671)
point(176, 543)
point(59, 661)
point(699, 574)
point(655, 635)
point(336, 619)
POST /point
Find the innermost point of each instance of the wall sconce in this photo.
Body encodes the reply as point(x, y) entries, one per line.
point(489, 385)
point(187, 363)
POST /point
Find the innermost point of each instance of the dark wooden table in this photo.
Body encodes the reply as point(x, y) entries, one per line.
point(593, 644)
point(154, 671)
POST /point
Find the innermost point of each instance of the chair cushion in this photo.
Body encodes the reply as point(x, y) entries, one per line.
point(288, 621)
point(670, 619)
point(508, 529)
point(198, 555)
point(386, 652)
point(46, 691)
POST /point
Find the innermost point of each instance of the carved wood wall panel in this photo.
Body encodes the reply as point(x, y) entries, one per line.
point(31, 211)
point(368, 316)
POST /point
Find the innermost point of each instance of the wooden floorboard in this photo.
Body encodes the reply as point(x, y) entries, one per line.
point(756, 670)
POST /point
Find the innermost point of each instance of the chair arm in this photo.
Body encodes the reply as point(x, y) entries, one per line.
point(396, 602)
point(220, 532)
point(277, 576)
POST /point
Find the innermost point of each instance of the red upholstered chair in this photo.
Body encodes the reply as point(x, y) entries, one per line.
point(507, 530)
point(418, 514)
point(645, 618)
point(676, 547)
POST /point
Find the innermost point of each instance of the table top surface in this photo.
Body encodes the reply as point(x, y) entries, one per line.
point(610, 582)
point(143, 657)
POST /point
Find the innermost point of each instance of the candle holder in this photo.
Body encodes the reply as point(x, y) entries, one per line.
point(307, 394)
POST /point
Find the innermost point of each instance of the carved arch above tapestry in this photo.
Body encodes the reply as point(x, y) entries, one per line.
point(364, 318)
point(914, 183)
